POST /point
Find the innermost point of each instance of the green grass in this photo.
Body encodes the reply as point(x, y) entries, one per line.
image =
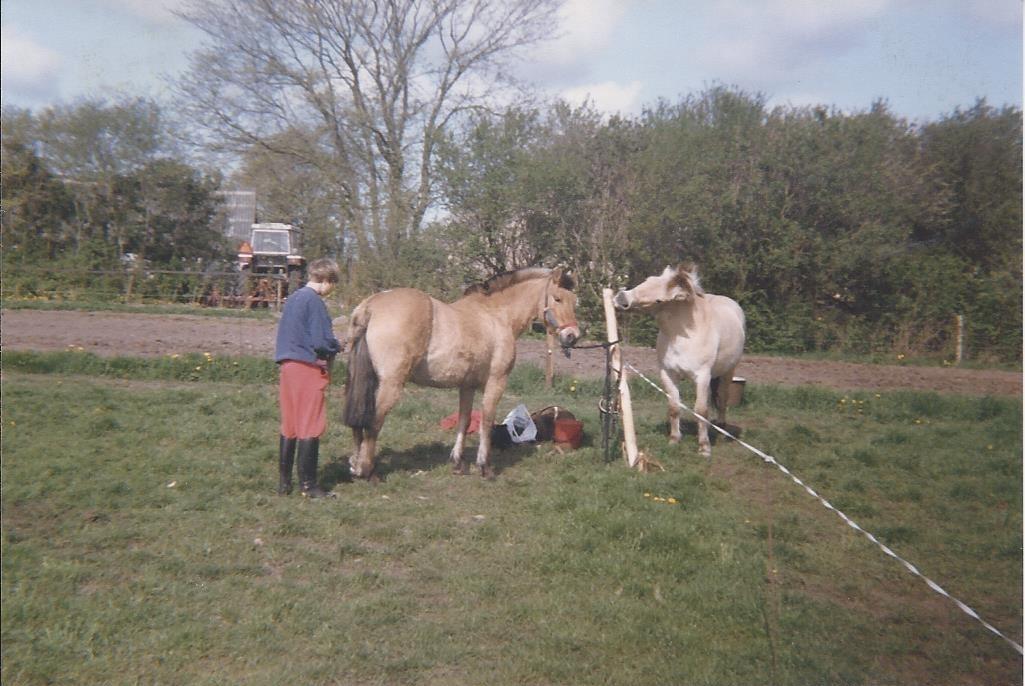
point(142, 542)
point(174, 367)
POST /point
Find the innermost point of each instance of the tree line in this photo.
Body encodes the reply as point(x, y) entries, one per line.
point(836, 231)
point(850, 231)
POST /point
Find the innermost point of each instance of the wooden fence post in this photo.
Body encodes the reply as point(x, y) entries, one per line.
point(131, 284)
point(625, 404)
point(959, 345)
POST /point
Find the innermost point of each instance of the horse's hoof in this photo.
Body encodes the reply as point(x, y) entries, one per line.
point(673, 440)
point(374, 479)
point(487, 473)
point(460, 469)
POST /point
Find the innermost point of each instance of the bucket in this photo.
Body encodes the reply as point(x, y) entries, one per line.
point(735, 394)
point(569, 431)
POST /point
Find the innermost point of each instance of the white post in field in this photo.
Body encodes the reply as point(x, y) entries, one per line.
point(625, 405)
point(959, 346)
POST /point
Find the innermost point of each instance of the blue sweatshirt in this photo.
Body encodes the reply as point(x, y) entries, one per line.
point(304, 332)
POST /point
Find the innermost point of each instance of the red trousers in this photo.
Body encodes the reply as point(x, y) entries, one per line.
point(301, 398)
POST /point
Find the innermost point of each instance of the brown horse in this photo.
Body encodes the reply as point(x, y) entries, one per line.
point(404, 334)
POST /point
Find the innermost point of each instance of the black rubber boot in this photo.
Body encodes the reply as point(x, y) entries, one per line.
point(308, 454)
point(286, 458)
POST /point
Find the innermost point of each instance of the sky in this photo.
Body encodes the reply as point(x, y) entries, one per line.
point(924, 58)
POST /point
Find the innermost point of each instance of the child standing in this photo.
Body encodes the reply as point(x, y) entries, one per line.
point(304, 350)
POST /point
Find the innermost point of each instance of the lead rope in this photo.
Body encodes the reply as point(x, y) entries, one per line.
point(847, 520)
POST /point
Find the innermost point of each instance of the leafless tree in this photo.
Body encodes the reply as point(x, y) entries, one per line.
point(370, 84)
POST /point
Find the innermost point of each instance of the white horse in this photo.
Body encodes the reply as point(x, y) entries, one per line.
point(700, 336)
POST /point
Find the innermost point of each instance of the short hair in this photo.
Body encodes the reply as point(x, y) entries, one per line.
point(323, 270)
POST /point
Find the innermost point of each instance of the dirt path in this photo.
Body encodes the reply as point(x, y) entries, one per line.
point(106, 333)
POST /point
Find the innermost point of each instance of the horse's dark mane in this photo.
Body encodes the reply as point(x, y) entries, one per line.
point(507, 279)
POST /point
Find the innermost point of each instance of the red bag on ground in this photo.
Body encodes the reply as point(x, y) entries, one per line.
point(452, 420)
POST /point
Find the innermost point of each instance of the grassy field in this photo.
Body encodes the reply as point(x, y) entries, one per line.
point(142, 542)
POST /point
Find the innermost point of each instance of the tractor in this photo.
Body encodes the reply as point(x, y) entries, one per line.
point(271, 263)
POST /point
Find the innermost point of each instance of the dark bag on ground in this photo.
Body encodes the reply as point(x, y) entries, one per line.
point(553, 423)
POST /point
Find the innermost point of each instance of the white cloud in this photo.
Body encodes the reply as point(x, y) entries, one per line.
point(27, 65)
point(607, 96)
point(153, 11)
point(799, 17)
point(585, 28)
point(768, 40)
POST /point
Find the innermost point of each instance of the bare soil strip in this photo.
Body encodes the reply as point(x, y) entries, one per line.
point(105, 333)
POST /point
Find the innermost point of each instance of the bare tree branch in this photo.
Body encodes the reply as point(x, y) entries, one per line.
point(370, 84)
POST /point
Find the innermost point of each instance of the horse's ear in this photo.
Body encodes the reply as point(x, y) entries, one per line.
point(687, 278)
point(687, 266)
point(564, 278)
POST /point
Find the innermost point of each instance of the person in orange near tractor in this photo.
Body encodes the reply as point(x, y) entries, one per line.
point(304, 350)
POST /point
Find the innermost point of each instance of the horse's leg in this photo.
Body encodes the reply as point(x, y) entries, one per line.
point(465, 409)
point(673, 392)
point(714, 389)
point(357, 445)
point(703, 382)
point(722, 396)
point(388, 394)
point(493, 391)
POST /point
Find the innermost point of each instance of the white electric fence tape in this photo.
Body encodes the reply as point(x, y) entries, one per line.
point(850, 522)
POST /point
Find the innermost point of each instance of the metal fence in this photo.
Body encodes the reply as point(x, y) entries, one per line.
point(143, 285)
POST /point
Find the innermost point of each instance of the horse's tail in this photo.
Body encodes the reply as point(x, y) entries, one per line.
point(361, 377)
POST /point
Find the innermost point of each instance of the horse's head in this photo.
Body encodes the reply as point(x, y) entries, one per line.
point(559, 307)
point(674, 284)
